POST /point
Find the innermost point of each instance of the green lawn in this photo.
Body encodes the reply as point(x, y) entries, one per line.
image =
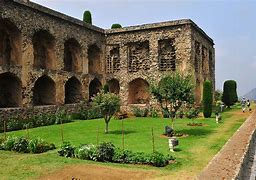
point(192, 155)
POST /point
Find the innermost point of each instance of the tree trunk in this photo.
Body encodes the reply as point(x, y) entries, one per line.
point(106, 128)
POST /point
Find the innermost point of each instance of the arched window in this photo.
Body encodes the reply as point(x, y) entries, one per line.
point(94, 87)
point(44, 91)
point(44, 50)
point(114, 86)
point(138, 92)
point(10, 43)
point(72, 56)
point(10, 90)
point(94, 60)
point(73, 90)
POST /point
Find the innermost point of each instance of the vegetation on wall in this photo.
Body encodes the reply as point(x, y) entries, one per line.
point(115, 26)
point(87, 17)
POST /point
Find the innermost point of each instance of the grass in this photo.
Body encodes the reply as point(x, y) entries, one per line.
point(192, 155)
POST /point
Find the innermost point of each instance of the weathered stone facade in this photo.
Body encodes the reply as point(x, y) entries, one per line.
point(47, 58)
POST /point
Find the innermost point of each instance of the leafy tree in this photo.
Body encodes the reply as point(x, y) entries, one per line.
point(172, 92)
point(218, 95)
point(109, 104)
point(87, 18)
point(207, 99)
point(114, 26)
point(229, 96)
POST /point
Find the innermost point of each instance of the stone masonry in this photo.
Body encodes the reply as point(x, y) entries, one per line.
point(50, 59)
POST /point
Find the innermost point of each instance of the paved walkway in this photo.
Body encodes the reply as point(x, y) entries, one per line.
point(228, 162)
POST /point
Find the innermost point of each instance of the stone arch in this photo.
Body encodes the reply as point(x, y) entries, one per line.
point(94, 87)
point(44, 50)
point(138, 91)
point(94, 61)
point(10, 43)
point(10, 90)
point(44, 91)
point(72, 56)
point(73, 91)
point(114, 86)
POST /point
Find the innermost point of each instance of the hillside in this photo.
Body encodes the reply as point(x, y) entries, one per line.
point(251, 95)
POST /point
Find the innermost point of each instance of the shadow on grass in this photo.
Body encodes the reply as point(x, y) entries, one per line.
point(197, 131)
point(120, 132)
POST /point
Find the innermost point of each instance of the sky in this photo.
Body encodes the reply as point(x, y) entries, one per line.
point(230, 23)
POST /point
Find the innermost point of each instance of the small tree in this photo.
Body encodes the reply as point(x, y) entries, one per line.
point(109, 104)
point(207, 99)
point(114, 26)
point(172, 92)
point(87, 17)
point(229, 96)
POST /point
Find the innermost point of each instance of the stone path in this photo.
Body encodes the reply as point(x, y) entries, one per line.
point(232, 161)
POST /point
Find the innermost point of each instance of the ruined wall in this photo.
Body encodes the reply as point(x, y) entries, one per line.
point(203, 58)
point(56, 59)
point(48, 40)
point(148, 53)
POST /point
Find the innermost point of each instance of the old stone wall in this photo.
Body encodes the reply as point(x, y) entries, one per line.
point(48, 58)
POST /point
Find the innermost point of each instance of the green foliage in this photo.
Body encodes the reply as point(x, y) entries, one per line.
point(159, 160)
point(67, 150)
point(87, 152)
point(109, 104)
point(139, 112)
point(105, 152)
point(207, 99)
point(172, 92)
point(218, 95)
point(153, 113)
point(21, 144)
point(87, 17)
point(106, 88)
point(229, 96)
point(90, 113)
point(192, 113)
point(39, 146)
point(9, 143)
point(35, 121)
point(114, 26)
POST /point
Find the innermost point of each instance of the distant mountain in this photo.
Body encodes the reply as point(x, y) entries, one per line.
point(251, 95)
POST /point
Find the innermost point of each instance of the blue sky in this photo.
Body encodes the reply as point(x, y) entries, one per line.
point(230, 23)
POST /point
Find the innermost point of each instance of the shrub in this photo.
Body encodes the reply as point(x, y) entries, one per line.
point(39, 146)
point(106, 88)
point(105, 152)
point(115, 26)
point(20, 145)
point(207, 99)
point(140, 112)
point(67, 150)
point(139, 158)
point(8, 144)
point(91, 113)
point(121, 156)
point(229, 96)
point(87, 152)
point(158, 159)
point(192, 113)
point(87, 17)
point(153, 113)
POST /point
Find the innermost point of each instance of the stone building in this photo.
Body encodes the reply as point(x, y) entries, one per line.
point(49, 59)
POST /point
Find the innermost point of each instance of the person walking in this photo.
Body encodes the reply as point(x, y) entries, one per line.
point(243, 104)
point(248, 105)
